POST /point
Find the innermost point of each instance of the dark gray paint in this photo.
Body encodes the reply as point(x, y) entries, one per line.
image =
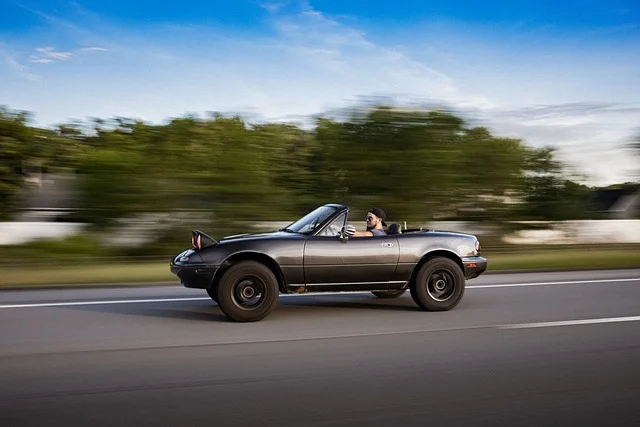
point(370, 259)
point(311, 260)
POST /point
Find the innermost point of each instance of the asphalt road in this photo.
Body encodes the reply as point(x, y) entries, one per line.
point(520, 350)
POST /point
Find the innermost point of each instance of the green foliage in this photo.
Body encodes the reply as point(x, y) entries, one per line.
point(75, 248)
point(418, 165)
point(14, 138)
point(390, 157)
point(547, 194)
point(10, 174)
point(113, 186)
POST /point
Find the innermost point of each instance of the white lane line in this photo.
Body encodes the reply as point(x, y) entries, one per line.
point(571, 322)
point(574, 282)
point(123, 301)
point(143, 301)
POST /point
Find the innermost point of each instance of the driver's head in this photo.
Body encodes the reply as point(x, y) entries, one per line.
point(376, 216)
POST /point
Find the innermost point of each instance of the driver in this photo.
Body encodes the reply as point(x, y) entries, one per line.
point(375, 222)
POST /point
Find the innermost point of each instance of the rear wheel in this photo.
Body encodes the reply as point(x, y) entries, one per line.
point(439, 285)
point(248, 292)
point(389, 294)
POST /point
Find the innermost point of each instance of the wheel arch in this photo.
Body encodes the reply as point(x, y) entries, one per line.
point(250, 256)
point(435, 254)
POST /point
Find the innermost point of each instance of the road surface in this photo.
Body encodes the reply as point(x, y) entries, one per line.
point(520, 350)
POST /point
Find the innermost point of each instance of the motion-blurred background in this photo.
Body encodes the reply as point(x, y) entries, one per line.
point(520, 126)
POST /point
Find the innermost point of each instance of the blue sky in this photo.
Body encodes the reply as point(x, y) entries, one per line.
point(560, 73)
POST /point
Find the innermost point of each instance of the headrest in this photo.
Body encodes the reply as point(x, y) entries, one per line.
point(395, 229)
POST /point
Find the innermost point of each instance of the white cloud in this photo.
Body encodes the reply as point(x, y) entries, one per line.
point(49, 54)
point(589, 137)
point(273, 6)
point(93, 49)
point(41, 60)
point(345, 60)
point(313, 63)
point(16, 67)
point(312, 27)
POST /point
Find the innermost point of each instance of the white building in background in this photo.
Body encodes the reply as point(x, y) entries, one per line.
point(50, 198)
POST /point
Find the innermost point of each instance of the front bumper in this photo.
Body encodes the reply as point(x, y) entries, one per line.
point(198, 276)
point(192, 271)
point(474, 266)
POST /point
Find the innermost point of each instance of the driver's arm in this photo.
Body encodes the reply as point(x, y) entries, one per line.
point(350, 231)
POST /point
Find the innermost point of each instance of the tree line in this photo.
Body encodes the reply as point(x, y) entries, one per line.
point(418, 165)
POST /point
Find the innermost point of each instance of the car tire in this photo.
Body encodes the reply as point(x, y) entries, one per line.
point(248, 292)
point(213, 293)
point(439, 285)
point(389, 294)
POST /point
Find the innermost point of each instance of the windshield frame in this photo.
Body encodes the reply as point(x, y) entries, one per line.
point(314, 220)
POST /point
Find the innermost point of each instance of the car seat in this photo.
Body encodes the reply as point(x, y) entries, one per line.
point(394, 229)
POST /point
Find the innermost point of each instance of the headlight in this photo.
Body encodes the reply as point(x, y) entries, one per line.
point(184, 256)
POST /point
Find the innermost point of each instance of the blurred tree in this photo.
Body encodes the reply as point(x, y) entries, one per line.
point(287, 156)
point(491, 175)
point(635, 145)
point(547, 194)
point(239, 183)
point(112, 185)
point(15, 135)
point(62, 149)
point(390, 156)
point(418, 165)
point(328, 182)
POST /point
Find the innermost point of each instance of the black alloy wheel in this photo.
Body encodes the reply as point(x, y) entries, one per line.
point(248, 292)
point(439, 285)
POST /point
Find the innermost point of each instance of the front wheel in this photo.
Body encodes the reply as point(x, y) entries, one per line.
point(248, 292)
point(439, 285)
point(389, 294)
point(213, 293)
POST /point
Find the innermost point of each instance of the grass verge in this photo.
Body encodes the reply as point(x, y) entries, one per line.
point(85, 274)
point(46, 274)
point(568, 259)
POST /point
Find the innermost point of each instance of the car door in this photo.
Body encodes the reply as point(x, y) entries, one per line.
point(328, 260)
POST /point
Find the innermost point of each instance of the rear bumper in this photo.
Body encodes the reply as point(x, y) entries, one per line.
point(194, 276)
point(474, 266)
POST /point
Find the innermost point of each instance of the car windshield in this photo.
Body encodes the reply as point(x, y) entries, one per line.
point(310, 221)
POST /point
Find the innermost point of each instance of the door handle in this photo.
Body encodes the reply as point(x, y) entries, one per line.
point(387, 245)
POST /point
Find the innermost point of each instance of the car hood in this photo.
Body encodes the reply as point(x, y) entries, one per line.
point(254, 236)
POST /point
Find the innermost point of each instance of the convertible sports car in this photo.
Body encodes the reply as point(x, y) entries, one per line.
point(245, 273)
